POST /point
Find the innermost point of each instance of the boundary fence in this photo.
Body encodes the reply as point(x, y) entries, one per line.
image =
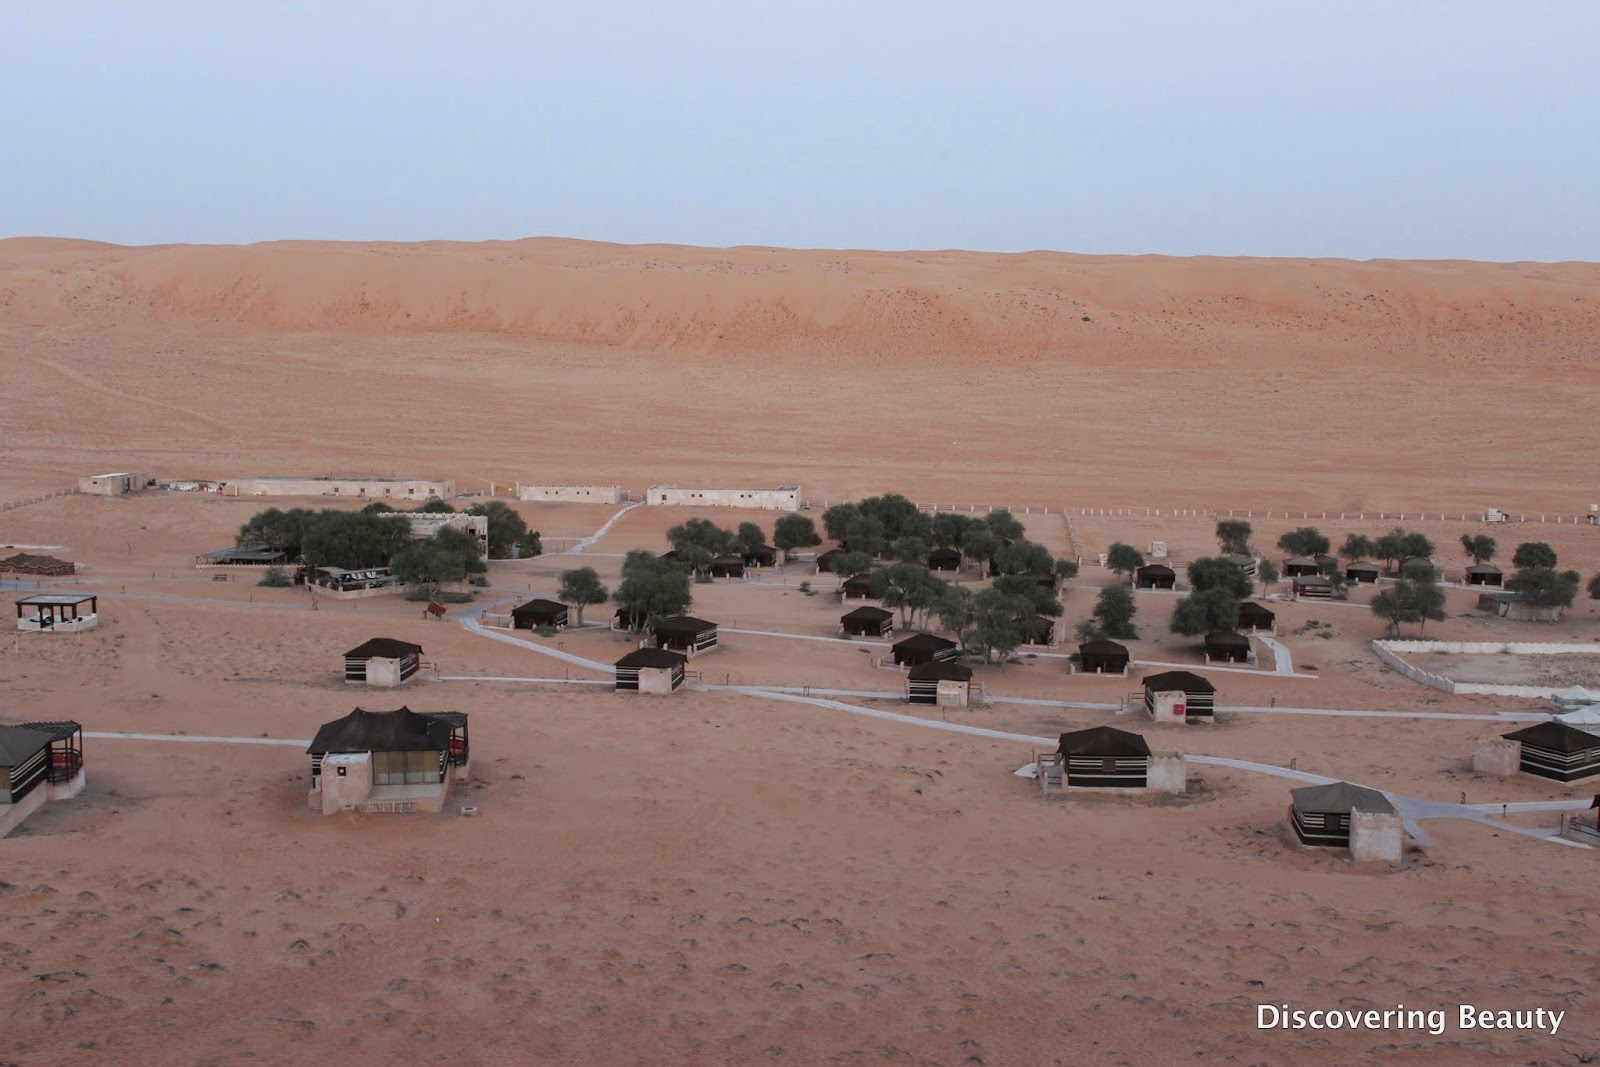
point(9, 504)
point(1237, 513)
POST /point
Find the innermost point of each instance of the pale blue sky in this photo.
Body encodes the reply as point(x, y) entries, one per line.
point(1360, 129)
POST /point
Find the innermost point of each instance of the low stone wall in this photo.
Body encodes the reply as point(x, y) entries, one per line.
point(1517, 648)
point(1388, 651)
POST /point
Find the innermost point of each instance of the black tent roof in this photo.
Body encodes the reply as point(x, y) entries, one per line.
point(1484, 568)
point(940, 671)
point(652, 657)
point(1187, 681)
point(925, 643)
point(1102, 647)
point(541, 605)
point(945, 553)
point(1339, 798)
point(58, 731)
point(1156, 568)
point(1226, 639)
point(829, 554)
point(383, 648)
point(684, 624)
point(401, 730)
point(1556, 737)
point(1362, 565)
point(728, 559)
point(1250, 609)
point(868, 613)
point(1103, 741)
point(19, 744)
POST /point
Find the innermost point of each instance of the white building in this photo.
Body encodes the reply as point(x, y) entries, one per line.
point(361, 488)
point(574, 494)
point(783, 498)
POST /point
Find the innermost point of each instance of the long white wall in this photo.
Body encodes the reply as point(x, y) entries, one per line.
point(418, 489)
point(1388, 651)
point(574, 494)
point(783, 498)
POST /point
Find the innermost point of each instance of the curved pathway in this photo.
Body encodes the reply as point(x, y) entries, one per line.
point(577, 549)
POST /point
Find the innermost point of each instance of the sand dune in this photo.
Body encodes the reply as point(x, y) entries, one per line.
point(689, 300)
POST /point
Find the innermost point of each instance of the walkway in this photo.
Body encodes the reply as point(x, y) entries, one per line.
point(472, 625)
point(200, 739)
point(578, 548)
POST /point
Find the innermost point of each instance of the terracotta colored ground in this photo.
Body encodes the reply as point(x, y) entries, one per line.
point(717, 878)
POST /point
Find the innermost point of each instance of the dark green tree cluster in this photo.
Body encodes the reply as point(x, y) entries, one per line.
point(911, 588)
point(652, 588)
point(508, 531)
point(1546, 587)
point(1233, 535)
point(1397, 546)
point(450, 555)
point(1410, 600)
point(794, 531)
point(1481, 547)
point(1306, 541)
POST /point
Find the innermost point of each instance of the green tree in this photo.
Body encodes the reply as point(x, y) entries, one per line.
point(750, 535)
point(275, 578)
point(1480, 548)
point(980, 544)
point(652, 589)
point(1358, 546)
point(506, 526)
point(1206, 612)
point(1234, 537)
point(1306, 541)
point(1004, 525)
point(1594, 587)
point(899, 516)
point(1426, 598)
point(581, 587)
point(1339, 586)
point(1534, 554)
point(909, 587)
point(911, 550)
point(1546, 587)
point(949, 530)
point(1066, 569)
point(1419, 570)
point(435, 506)
point(1266, 573)
point(1124, 559)
point(703, 534)
point(1043, 601)
point(957, 609)
point(1000, 623)
point(278, 529)
point(1391, 549)
point(1115, 611)
point(426, 563)
point(837, 519)
point(794, 531)
point(529, 545)
point(1394, 609)
point(847, 565)
point(866, 534)
point(354, 540)
point(377, 507)
point(1020, 557)
point(1089, 630)
point(1212, 572)
point(1417, 546)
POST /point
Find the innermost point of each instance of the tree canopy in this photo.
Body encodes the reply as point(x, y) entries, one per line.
point(909, 587)
point(1004, 525)
point(1212, 572)
point(1594, 587)
point(949, 530)
point(1114, 611)
point(1480, 548)
point(703, 534)
point(836, 520)
point(911, 550)
point(749, 535)
point(1124, 559)
point(1546, 587)
point(793, 531)
point(436, 506)
point(448, 556)
point(1000, 623)
point(1410, 600)
point(581, 587)
point(866, 533)
point(1066, 568)
point(506, 526)
point(355, 540)
point(1534, 554)
point(1206, 611)
point(1044, 602)
point(1358, 546)
point(899, 516)
point(1233, 535)
point(1266, 572)
point(652, 588)
point(1306, 541)
point(850, 564)
point(1020, 557)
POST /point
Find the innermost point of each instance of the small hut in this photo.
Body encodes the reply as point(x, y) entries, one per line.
point(728, 566)
point(867, 622)
point(1295, 566)
point(918, 649)
point(1103, 757)
point(944, 559)
point(39, 762)
point(46, 566)
point(1103, 657)
point(537, 613)
point(759, 556)
point(1155, 576)
point(857, 588)
point(824, 560)
point(686, 634)
point(1227, 646)
point(1557, 751)
point(650, 670)
point(382, 661)
point(1312, 587)
point(1485, 574)
point(1362, 571)
point(1179, 696)
point(57, 612)
point(399, 760)
point(1341, 815)
point(65, 776)
point(1518, 608)
point(946, 684)
point(1039, 630)
point(1249, 564)
point(1256, 617)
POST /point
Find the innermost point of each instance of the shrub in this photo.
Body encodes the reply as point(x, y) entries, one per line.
point(275, 578)
point(545, 631)
point(479, 580)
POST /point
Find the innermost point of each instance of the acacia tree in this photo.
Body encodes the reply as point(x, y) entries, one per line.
point(1357, 546)
point(1480, 548)
point(1004, 525)
point(506, 526)
point(1020, 557)
point(980, 543)
point(652, 588)
point(1114, 611)
point(836, 520)
point(448, 556)
point(750, 535)
point(794, 531)
point(581, 587)
point(899, 516)
point(284, 531)
point(847, 565)
point(949, 530)
point(1000, 623)
point(1206, 612)
point(865, 533)
point(1266, 572)
point(1306, 541)
point(1594, 587)
point(1044, 602)
point(1394, 609)
point(1124, 559)
point(911, 588)
point(1233, 535)
point(703, 534)
point(436, 506)
point(1411, 600)
point(356, 540)
point(1545, 587)
point(911, 550)
point(1534, 554)
point(1211, 572)
point(1066, 569)
point(957, 609)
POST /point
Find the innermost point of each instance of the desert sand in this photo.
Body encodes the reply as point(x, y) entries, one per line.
point(715, 877)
